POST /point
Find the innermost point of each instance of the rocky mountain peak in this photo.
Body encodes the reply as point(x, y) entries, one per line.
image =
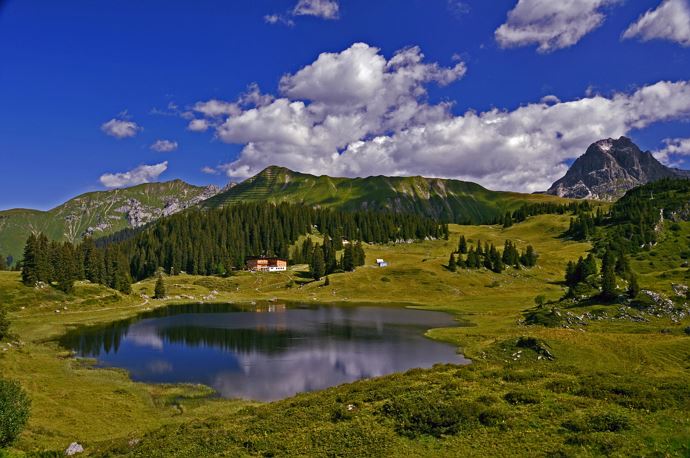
point(609, 168)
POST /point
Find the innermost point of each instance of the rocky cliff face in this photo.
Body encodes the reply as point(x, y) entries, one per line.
point(609, 168)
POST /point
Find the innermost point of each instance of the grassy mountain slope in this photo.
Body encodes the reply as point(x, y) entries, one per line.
point(616, 386)
point(452, 200)
point(98, 213)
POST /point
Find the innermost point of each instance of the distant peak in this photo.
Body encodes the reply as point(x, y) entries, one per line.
point(608, 169)
point(273, 169)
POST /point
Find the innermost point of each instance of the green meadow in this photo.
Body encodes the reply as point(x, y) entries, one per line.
point(613, 386)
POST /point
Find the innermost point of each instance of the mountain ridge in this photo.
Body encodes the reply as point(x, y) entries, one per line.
point(99, 213)
point(447, 199)
point(609, 168)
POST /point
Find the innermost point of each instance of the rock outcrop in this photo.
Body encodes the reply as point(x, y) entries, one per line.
point(609, 168)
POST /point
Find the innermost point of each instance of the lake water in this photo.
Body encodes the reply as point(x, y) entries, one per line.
point(267, 352)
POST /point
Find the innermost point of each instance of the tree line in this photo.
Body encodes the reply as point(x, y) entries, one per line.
point(489, 257)
point(322, 259)
point(584, 276)
point(217, 241)
point(633, 223)
point(543, 208)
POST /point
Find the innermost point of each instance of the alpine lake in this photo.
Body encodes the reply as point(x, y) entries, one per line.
point(266, 351)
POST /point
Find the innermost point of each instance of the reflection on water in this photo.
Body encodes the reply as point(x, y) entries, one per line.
point(269, 352)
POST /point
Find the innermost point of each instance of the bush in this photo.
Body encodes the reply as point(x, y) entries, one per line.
point(522, 397)
point(606, 422)
point(687, 330)
point(14, 411)
point(543, 317)
point(4, 323)
point(431, 413)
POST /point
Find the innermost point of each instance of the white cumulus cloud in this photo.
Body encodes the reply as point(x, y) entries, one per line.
point(209, 170)
point(357, 113)
point(326, 9)
point(669, 21)
point(164, 146)
point(551, 24)
point(673, 148)
point(198, 125)
point(139, 175)
point(120, 128)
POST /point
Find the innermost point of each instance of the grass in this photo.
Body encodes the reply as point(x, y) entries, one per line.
point(613, 388)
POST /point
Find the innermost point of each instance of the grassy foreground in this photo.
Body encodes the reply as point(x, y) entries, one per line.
point(614, 387)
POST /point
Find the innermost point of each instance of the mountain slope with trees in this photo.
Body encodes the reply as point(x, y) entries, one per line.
point(447, 200)
point(98, 213)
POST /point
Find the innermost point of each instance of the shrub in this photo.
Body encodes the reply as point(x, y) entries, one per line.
point(14, 411)
point(687, 330)
point(385, 279)
point(606, 422)
point(430, 413)
point(543, 317)
point(492, 417)
point(538, 346)
point(522, 397)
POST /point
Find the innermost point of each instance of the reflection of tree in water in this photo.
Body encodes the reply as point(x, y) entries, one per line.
point(236, 340)
point(94, 340)
point(266, 338)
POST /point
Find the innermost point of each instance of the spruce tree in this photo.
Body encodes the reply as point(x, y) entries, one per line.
point(348, 263)
point(29, 264)
point(507, 220)
point(359, 256)
point(570, 274)
point(462, 246)
point(3, 262)
point(65, 269)
point(608, 277)
point(318, 265)
point(633, 287)
point(159, 289)
point(452, 265)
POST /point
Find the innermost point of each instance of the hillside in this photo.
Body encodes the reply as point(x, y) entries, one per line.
point(449, 200)
point(616, 385)
point(99, 213)
point(609, 168)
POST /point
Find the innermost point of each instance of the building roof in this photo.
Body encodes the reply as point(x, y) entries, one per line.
point(254, 258)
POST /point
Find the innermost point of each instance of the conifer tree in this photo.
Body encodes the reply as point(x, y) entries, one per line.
point(65, 268)
point(462, 246)
point(3, 262)
point(633, 287)
point(348, 262)
point(159, 289)
point(359, 256)
point(452, 265)
point(318, 265)
point(29, 264)
point(507, 220)
point(608, 277)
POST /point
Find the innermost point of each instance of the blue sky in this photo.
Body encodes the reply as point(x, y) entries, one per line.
point(68, 68)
